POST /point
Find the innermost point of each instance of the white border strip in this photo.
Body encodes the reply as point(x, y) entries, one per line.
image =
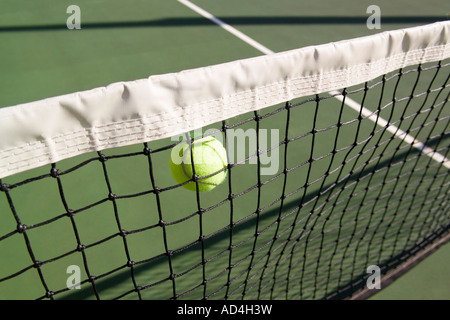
point(42, 132)
point(349, 102)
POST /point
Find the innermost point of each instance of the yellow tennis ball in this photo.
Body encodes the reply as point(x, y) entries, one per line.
point(209, 158)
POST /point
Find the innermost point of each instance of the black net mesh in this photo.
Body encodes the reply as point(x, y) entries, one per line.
point(343, 193)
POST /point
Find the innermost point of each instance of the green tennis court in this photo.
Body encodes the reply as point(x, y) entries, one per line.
point(100, 211)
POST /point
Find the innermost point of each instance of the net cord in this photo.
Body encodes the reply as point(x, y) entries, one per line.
point(124, 113)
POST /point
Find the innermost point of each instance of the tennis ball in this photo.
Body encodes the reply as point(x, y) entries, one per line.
point(209, 157)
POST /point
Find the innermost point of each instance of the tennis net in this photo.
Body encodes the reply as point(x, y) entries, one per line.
point(338, 164)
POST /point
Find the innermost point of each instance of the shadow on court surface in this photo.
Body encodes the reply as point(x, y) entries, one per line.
point(179, 22)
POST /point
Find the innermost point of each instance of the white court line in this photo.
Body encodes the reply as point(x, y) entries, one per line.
point(227, 27)
point(399, 133)
point(349, 102)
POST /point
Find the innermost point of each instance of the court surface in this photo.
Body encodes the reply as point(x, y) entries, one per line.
point(41, 58)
